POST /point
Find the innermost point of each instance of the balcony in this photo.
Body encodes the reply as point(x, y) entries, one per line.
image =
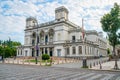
point(46, 43)
point(96, 43)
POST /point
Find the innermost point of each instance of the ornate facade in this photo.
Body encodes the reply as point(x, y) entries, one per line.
point(60, 38)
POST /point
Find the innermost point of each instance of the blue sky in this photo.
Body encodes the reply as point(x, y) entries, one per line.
point(13, 14)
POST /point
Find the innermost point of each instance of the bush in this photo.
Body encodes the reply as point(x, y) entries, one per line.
point(45, 57)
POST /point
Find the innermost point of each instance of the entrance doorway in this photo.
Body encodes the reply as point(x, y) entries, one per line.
point(51, 52)
point(33, 52)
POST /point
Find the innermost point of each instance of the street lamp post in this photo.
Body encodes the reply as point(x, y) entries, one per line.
point(36, 47)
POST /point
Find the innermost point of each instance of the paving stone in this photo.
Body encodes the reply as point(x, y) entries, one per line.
point(24, 72)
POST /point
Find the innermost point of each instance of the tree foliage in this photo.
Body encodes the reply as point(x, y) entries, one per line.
point(8, 48)
point(111, 24)
point(108, 51)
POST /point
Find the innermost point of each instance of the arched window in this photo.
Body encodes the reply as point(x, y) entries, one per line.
point(34, 35)
point(51, 32)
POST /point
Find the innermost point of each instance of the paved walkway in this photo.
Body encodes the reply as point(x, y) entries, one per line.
point(25, 72)
point(107, 65)
point(79, 64)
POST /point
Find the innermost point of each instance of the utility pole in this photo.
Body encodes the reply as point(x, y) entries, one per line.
point(36, 46)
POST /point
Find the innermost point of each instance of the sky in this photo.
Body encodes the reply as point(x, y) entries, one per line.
point(13, 14)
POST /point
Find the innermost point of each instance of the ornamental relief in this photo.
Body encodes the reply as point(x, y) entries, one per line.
point(42, 34)
point(51, 33)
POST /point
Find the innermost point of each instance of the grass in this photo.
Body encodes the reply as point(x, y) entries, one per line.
point(43, 61)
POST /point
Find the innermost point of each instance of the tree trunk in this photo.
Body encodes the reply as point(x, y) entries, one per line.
point(115, 56)
point(114, 51)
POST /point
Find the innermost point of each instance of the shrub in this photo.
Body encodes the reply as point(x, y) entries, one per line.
point(45, 57)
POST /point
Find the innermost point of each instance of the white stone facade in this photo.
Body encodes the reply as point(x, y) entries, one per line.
point(60, 38)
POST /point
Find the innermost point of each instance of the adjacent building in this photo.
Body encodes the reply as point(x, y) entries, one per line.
point(61, 38)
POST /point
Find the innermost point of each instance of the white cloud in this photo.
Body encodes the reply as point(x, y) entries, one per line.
point(13, 19)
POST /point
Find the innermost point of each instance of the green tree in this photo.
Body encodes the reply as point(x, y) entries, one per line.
point(1, 51)
point(111, 24)
point(7, 52)
point(13, 51)
point(108, 51)
point(8, 48)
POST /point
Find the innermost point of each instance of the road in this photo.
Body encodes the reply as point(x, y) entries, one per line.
point(25, 72)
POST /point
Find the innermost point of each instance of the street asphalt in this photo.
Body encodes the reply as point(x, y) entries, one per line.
point(30, 72)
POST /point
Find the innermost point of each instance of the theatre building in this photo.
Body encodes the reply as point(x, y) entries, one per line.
point(61, 38)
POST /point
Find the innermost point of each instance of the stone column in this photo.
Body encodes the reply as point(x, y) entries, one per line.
point(43, 50)
point(70, 51)
point(48, 50)
point(30, 52)
point(53, 51)
point(83, 50)
point(17, 52)
point(77, 51)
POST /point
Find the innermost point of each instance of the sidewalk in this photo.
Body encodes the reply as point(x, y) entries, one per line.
point(106, 66)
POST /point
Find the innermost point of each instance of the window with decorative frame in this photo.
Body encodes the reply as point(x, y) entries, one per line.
point(80, 50)
point(67, 50)
point(73, 38)
point(73, 50)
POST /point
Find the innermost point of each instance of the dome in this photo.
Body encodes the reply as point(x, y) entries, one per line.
point(31, 18)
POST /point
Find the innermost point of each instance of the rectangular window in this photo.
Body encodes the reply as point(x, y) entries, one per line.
point(67, 51)
point(18, 52)
point(80, 50)
point(33, 42)
point(21, 51)
point(58, 52)
point(26, 52)
point(74, 50)
point(80, 38)
point(73, 38)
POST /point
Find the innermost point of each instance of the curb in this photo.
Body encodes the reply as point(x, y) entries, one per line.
point(106, 70)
